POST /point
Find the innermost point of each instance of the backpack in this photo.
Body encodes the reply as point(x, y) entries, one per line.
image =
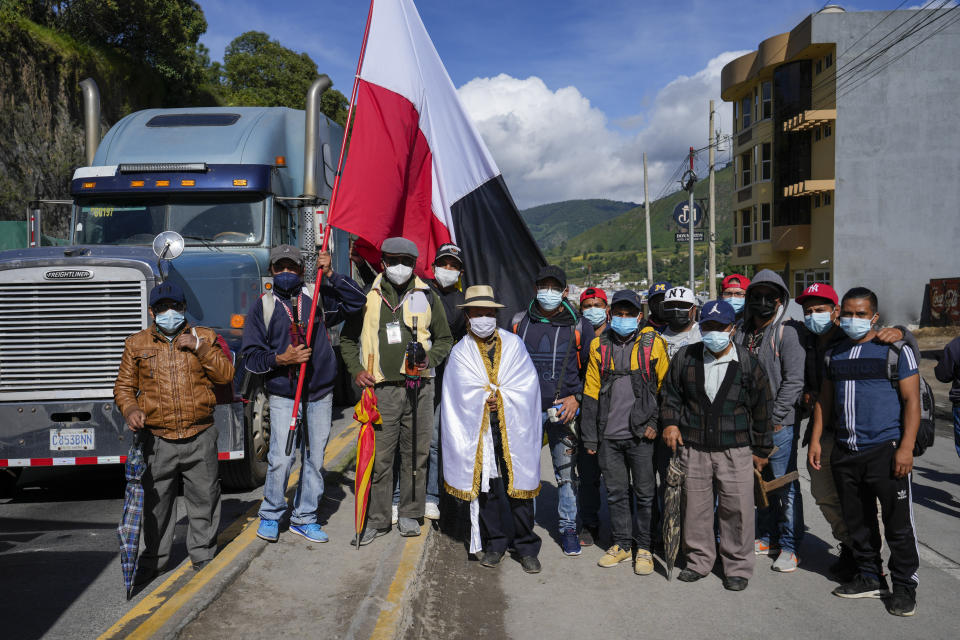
point(927, 430)
point(269, 304)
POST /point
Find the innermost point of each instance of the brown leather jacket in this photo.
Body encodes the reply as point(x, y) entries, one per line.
point(174, 388)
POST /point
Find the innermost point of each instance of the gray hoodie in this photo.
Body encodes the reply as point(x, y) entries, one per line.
point(781, 354)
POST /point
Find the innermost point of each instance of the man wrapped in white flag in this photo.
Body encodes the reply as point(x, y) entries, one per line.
point(492, 433)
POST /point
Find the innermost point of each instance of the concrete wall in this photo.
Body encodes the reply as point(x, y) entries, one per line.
point(897, 203)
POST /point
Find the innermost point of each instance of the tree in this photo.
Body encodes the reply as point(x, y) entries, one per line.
point(258, 71)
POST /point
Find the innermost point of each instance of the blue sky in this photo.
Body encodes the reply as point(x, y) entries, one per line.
point(627, 68)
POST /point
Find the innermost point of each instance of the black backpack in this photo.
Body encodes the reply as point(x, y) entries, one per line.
point(925, 433)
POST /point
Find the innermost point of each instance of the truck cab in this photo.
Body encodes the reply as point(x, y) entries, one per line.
point(233, 182)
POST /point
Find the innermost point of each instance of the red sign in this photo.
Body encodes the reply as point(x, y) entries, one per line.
point(945, 301)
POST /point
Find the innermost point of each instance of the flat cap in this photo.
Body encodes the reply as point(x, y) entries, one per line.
point(400, 247)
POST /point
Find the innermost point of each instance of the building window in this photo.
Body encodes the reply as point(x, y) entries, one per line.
point(736, 115)
point(766, 170)
point(799, 283)
point(827, 131)
point(745, 112)
point(819, 67)
point(826, 199)
point(822, 277)
point(828, 61)
point(745, 224)
point(745, 164)
point(766, 94)
point(803, 279)
point(764, 222)
point(816, 200)
point(756, 160)
point(816, 134)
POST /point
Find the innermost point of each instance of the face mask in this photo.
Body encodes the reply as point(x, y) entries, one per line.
point(595, 316)
point(286, 283)
point(398, 274)
point(446, 277)
point(818, 323)
point(716, 341)
point(170, 320)
point(736, 303)
point(549, 299)
point(762, 308)
point(624, 326)
point(678, 319)
point(483, 326)
point(856, 328)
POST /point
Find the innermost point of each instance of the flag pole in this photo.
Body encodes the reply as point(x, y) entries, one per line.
point(326, 233)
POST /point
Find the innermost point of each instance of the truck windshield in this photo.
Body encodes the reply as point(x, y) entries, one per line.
point(199, 221)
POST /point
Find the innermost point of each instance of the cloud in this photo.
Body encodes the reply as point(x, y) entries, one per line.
point(555, 145)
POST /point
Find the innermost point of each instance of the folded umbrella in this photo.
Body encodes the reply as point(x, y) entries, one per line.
point(672, 512)
point(367, 414)
point(130, 523)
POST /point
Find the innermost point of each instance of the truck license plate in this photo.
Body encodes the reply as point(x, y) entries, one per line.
point(71, 439)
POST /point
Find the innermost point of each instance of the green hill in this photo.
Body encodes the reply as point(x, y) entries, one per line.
point(552, 224)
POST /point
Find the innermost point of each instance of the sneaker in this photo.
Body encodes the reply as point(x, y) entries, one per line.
point(643, 565)
point(614, 556)
point(491, 558)
point(431, 511)
point(312, 532)
point(734, 583)
point(589, 534)
point(269, 530)
point(765, 548)
point(570, 542)
point(862, 586)
point(369, 535)
point(845, 568)
point(394, 515)
point(786, 562)
point(903, 602)
point(530, 564)
point(689, 575)
point(198, 566)
point(409, 528)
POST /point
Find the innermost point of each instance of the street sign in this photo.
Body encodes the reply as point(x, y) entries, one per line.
point(681, 214)
point(684, 236)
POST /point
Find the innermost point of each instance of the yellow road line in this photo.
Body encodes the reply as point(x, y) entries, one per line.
point(162, 603)
point(389, 617)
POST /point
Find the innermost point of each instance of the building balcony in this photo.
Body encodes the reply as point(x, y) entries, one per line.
point(809, 188)
point(809, 119)
point(753, 253)
point(795, 237)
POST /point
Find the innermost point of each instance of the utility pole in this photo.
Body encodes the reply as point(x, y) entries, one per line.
point(690, 179)
point(711, 207)
point(646, 208)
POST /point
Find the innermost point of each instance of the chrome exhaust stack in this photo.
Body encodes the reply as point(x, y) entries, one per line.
point(91, 119)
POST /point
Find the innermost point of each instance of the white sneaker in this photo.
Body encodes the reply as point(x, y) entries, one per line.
point(431, 512)
point(394, 516)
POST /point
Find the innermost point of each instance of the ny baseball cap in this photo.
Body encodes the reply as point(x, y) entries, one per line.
point(718, 311)
point(658, 288)
point(735, 280)
point(680, 294)
point(593, 292)
point(286, 251)
point(819, 290)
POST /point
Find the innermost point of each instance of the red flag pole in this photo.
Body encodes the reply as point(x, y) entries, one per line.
point(326, 233)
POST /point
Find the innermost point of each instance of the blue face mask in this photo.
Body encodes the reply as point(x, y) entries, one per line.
point(624, 326)
point(170, 321)
point(549, 299)
point(595, 315)
point(286, 283)
point(716, 341)
point(736, 303)
point(818, 323)
point(856, 328)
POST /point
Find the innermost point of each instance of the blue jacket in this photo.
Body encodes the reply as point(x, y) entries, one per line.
point(948, 369)
point(341, 297)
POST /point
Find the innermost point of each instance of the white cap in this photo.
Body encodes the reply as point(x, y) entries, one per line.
point(680, 294)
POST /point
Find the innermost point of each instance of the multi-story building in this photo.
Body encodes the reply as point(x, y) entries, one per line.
point(847, 153)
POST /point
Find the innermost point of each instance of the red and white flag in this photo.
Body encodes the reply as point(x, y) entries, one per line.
point(417, 167)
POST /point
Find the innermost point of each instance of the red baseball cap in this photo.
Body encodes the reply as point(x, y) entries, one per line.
point(593, 292)
point(735, 280)
point(819, 290)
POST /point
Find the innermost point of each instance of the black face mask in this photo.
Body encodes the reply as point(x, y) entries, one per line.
point(762, 307)
point(678, 319)
point(656, 311)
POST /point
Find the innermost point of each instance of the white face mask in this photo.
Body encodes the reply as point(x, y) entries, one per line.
point(446, 277)
point(483, 326)
point(399, 274)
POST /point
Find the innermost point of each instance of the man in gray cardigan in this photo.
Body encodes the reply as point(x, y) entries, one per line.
point(777, 342)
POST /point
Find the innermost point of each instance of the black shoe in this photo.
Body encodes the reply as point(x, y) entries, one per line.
point(144, 576)
point(734, 583)
point(530, 564)
point(862, 587)
point(198, 566)
point(689, 575)
point(903, 602)
point(845, 568)
point(491, 558)
point(589, 534)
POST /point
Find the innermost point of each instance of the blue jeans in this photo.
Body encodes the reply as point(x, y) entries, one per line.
point(564, 470)
point(782, 521)
point(956, 428)
point(310, 487)
point(433, 466)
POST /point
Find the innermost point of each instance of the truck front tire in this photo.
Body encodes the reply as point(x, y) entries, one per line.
point(250, 473)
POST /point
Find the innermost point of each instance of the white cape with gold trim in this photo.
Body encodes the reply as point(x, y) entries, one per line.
point(467, 444)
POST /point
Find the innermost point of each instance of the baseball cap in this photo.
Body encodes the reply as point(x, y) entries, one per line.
point(400, 247)
point(450, 250)
point(166, 291)
point(552, 271)
point(627, 296)
point(819, 290)
point(593, 292)
point(286, 251)
point(718, 311)
point(735, 280)
point(658, 288)
point(680, 294)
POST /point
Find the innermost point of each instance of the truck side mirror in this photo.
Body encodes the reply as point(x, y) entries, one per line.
point(168, 245)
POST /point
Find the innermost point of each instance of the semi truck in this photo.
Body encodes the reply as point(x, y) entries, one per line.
point(232, 182)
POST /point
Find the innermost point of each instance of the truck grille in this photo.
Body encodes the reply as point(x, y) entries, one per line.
point(65, 339)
